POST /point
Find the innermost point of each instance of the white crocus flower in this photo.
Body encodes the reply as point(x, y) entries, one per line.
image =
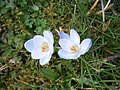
point(71, 46)
point(41, 47)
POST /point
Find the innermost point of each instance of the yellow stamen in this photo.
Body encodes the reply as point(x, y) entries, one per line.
point(45, 47)
point(73, 49)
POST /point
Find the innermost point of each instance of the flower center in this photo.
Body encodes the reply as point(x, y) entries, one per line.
point(45, 47)
point(73, 49)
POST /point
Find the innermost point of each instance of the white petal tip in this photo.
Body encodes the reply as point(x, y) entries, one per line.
point(63, 35)
point(29, 45)
point(56, 30)
point(72, 29)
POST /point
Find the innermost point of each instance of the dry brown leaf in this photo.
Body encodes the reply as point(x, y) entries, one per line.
point(61, 30)
point(105, 25)
point(94, 5)
point(110, 58)
point(20, 13)
point(11, 61)
point(110, 52)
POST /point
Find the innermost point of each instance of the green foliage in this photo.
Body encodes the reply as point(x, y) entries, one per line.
point(35, 7)
point(20, 20)
point(49, 74)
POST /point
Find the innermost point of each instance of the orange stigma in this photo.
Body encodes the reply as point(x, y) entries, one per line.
point(73, 49)
point(45, 47)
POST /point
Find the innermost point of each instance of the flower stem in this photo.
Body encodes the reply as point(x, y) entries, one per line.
point(103, 11)
point(107, 4)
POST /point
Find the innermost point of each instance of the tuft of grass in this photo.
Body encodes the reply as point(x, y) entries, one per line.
point(20, 20)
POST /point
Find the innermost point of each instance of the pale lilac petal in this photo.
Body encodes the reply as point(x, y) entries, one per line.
point(85, 45)
point(67, 55)
point(51, 49)
point(37, 53)
point(63, 35)
point(29, 45)
point(65, 44)
point(39, 40)
point(45, 59)
point(49, 36)
point(74, 36)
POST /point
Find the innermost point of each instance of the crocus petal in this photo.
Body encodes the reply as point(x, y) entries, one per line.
point(65, 44)
point(39, 40)
point(37, 53)
point(51, 49)
point(45, 59)
point(74, 36)
point(29, 45)
point(85, 45)
point(67, 55)
point(49, 36)
point(63, 35)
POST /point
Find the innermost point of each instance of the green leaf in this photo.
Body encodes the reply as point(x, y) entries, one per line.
point(35, 7)
point(38, 30)
point(2, 3)
point(22, 3)
point(50, 74)
point(59, 68)
point(45, 4)
point(3, 10)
